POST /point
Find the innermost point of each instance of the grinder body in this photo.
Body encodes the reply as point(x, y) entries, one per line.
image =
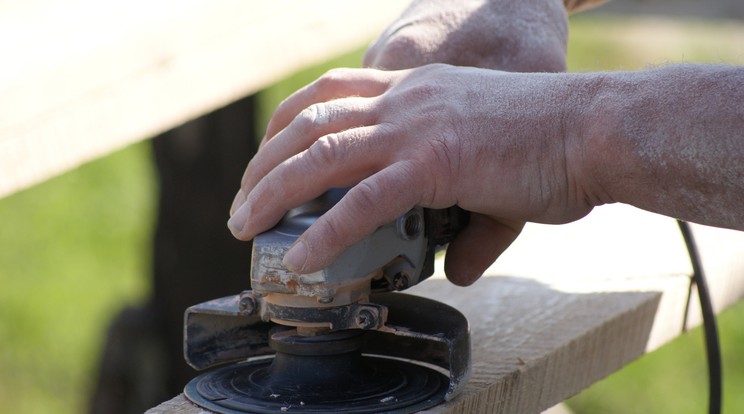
point(394, 257)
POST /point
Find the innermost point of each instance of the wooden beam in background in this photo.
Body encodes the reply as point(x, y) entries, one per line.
point(83, 78)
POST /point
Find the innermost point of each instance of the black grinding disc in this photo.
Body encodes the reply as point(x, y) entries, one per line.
point(319, 375)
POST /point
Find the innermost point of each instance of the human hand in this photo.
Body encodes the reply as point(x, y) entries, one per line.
point(518, 36)
point(493, 143)
point(509, 35)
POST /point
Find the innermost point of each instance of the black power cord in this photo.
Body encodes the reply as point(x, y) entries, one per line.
point(712, 344)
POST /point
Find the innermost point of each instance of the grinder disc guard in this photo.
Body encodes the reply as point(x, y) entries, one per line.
point(345, 371)
point(319, 374)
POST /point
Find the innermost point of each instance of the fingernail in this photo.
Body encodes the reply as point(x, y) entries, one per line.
point(237, 201)
point(471, 279)
point(464, 280)
point(296, 257)
point(238, 220)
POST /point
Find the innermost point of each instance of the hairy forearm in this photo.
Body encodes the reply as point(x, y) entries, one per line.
point(669, 140)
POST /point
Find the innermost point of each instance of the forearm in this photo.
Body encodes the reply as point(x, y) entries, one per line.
point(669, 140)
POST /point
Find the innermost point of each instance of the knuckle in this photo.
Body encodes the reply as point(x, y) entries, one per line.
point(427, 91)
point(423, 96)
point(332, 78)
point(316, 115)
point(325, 151)
point(366, 193)
point(325, 113)
point(306, 119)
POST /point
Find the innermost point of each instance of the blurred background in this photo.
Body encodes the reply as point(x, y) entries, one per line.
point(77, 249)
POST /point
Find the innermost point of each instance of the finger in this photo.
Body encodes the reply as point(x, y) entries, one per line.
point(334, 161)
point(335, 84)
point(312, 123)
point(477, 247)
point(237, 202)
point(376, 201)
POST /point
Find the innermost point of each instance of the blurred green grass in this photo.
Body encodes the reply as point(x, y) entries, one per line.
point(73, 250)
point(76, 248)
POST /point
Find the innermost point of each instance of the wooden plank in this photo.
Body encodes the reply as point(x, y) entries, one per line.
point(83, 78)
point(568, 305)
point(177, 405)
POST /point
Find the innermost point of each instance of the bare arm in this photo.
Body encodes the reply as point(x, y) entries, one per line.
point(510, 147)
point(671, 141)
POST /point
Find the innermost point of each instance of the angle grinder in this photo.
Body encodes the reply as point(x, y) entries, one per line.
point(337, 340)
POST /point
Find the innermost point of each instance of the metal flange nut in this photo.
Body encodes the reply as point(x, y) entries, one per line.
point(247, 303)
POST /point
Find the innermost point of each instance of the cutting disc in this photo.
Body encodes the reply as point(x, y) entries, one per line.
point(319, 375)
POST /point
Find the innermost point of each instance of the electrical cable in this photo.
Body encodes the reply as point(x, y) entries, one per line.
point(712, 344)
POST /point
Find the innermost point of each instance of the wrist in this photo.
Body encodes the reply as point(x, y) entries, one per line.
point(592, 117)
point(613, 116)
point(665, 140)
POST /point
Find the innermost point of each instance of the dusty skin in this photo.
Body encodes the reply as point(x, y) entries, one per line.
point(517, 36)
point(509, 147)
point(512, 147)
